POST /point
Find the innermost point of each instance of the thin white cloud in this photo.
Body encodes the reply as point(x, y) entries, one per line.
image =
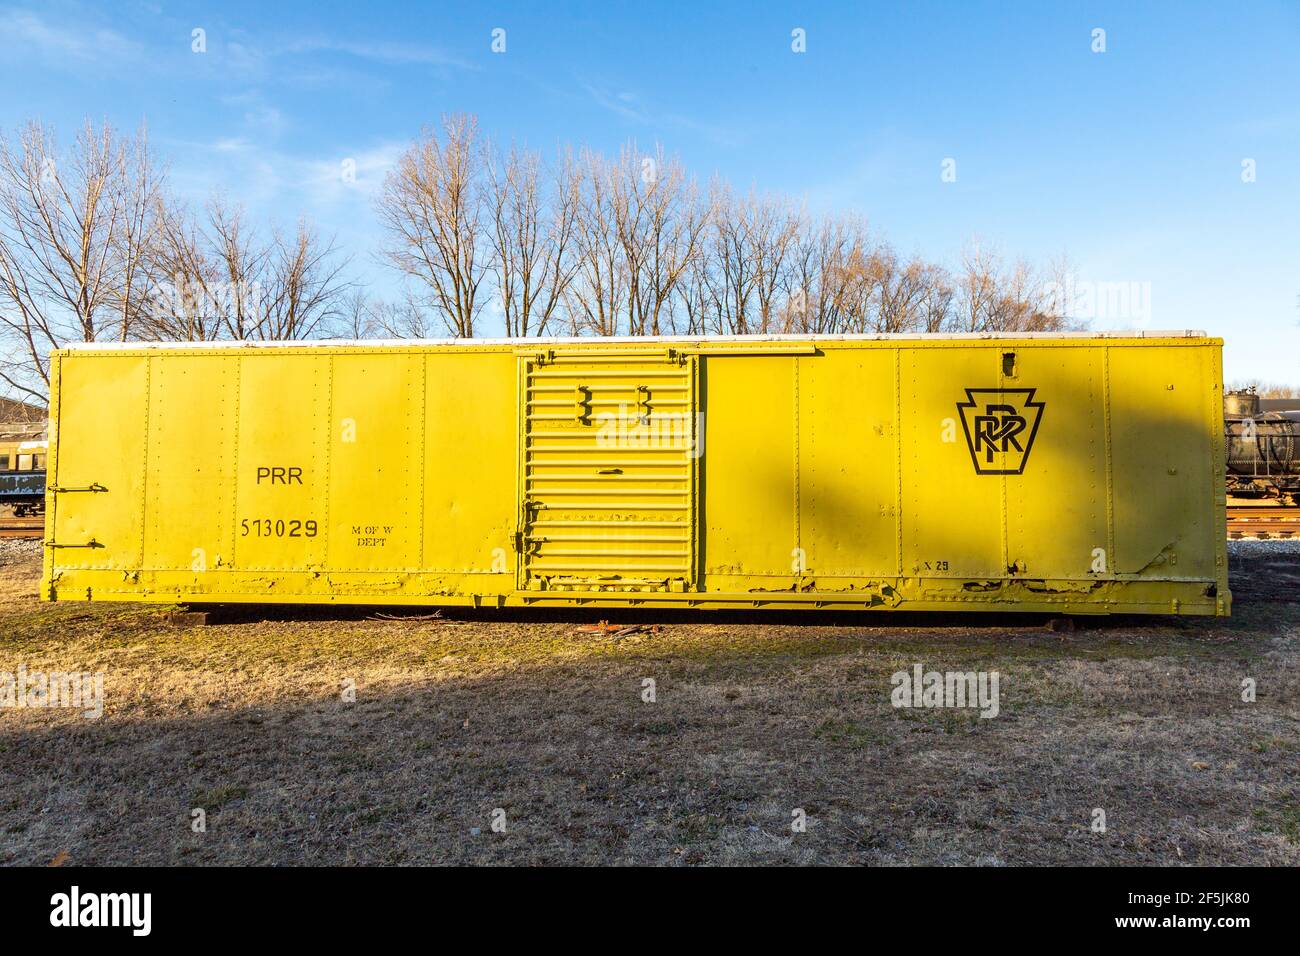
point(381, 51)
point(348, 178)
point(232, 144)
point(256, 174)
point(630, 107)
point(22, 30)
point(621, 104)
point(258, 115)
point(238, 59)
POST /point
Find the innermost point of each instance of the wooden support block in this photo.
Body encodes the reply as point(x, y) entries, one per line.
point(189, 618)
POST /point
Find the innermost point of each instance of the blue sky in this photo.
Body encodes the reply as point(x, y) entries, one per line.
point(1128, 161)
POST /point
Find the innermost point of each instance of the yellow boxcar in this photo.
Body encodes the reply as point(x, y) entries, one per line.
point(1064, 473)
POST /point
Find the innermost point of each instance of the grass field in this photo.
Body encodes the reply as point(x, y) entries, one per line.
point(753, 718)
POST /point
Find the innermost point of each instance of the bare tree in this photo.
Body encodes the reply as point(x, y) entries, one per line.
point(305, 286)
point(628, 246)
point(629, 209)
point(403, 319)
point(213, 275)
point(935, 306)
point(432, 208)
point(800, 277)
point(92, 247)
point(357, 316)
point(902, 292)
point(994, 297)
point(729, 274)
point(74, 228)
point(598, 295)
point(694, 292)
point(1054, 298)
point(978, 304)
point(660, 222)
point(678, 219)
point(770, 230)
point(218, 278)
point(142, 221)
point(186, 278)
point(815, 273)
point(534, 213)
point(860, 275)
point(639, 229)
point(244, 264)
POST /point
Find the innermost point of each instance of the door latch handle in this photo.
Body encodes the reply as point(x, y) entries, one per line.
point(92, 543)
point(92, 487)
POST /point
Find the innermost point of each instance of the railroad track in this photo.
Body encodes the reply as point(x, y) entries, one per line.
point(11, 527)
point(1263, 521)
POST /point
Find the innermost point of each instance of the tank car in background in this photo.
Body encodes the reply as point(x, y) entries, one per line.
point(1262, 448)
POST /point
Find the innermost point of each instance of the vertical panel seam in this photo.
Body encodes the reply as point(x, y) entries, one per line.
point(798, 531)
point(329, 444)
point(523, 375)
point(898, 461)
point(52, 462)
point(1006, 545)
point(1218, 468)
point(696, 425)
point(234, 458)
point(144, 457)
point(403, 559)
point(422, 446)
point(1112, 557)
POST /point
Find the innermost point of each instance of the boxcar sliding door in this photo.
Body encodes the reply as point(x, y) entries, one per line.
point(608, 471)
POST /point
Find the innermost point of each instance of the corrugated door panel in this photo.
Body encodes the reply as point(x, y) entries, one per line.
point(101, 444)
point(952, 508)
point(1161, 452)
point(191, 461)
point(280, 517)
point(1056, 508)
point(374, 461)
point(470, 447)
point(749, 469)
point(608, 473)
point(848, 469)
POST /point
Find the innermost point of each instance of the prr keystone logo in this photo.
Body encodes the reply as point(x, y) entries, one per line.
point(1000, 426)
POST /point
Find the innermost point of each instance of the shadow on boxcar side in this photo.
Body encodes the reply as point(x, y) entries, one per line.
point(1151, 525)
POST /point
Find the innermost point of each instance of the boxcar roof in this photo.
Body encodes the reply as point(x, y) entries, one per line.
point(637, 339)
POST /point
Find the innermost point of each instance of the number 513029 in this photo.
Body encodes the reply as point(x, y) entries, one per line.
point(277, 528)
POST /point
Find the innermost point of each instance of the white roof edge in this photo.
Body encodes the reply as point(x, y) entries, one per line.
point(629, 339)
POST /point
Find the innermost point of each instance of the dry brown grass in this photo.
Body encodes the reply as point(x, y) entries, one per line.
point(754, 718)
